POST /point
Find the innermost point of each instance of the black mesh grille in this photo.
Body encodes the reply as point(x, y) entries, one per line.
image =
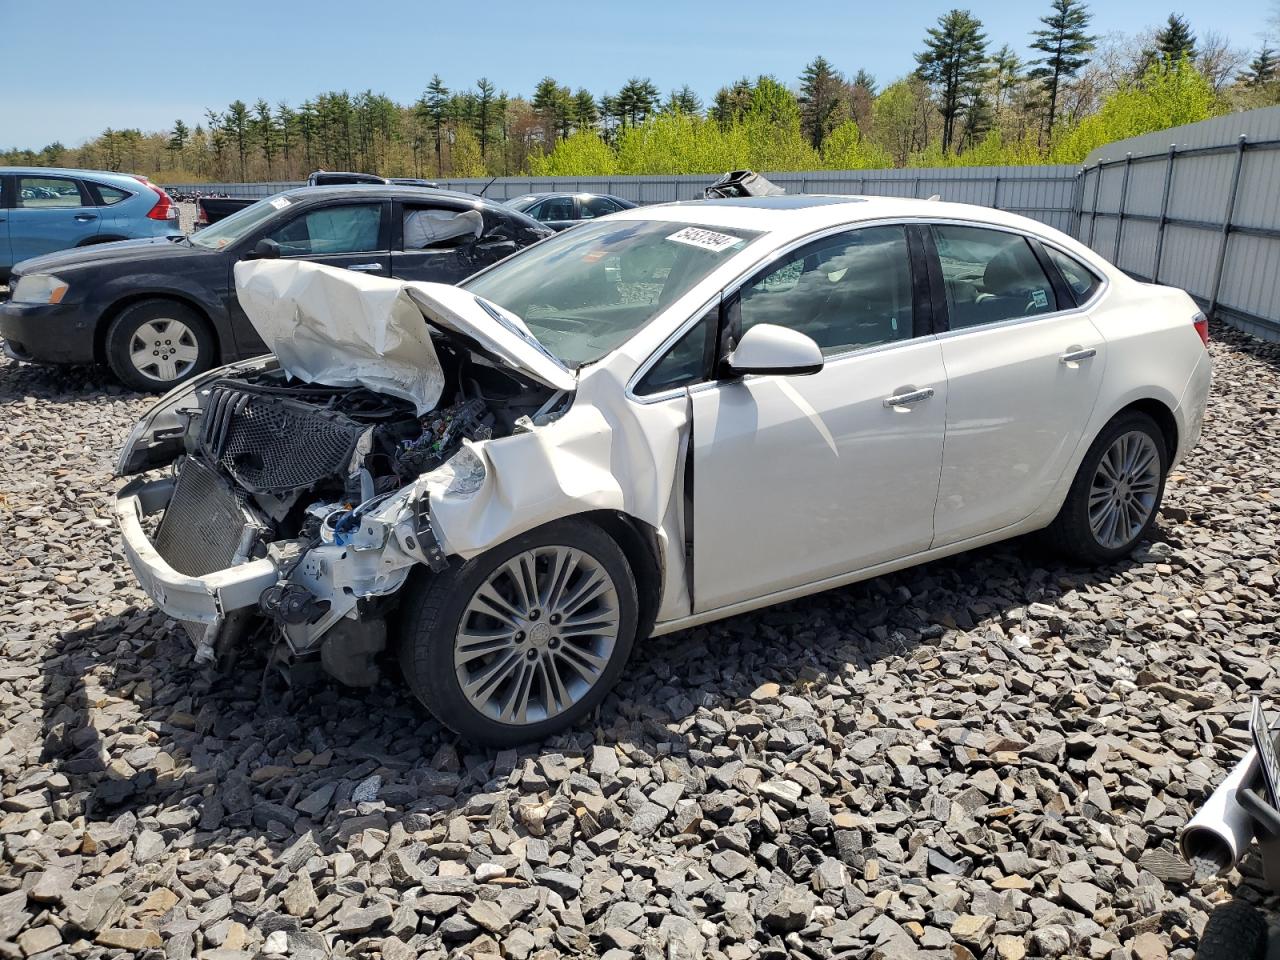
point(275, 444)
point(203, 524)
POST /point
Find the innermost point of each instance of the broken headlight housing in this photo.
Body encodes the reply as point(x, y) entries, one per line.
point(156, 439)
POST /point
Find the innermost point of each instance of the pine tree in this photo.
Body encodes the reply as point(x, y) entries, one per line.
point(1065, 45)
point(1263, 70)
point(865, 80)
point(287, 124)
point(178, 139)
point(732, 102)
point(484, 113)
point(434, 109)
point(264, 131)
point(821, 100)
point(636, 100)
point(1175, 40)
point(551, 103)
point(1006, 77)
point(954, 63)
point(585, 112)
point(237, 124)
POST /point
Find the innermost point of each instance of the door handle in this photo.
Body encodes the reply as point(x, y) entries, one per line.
point(1075, 356)
point(905, 399)
point(365, 266)
point(86, 217)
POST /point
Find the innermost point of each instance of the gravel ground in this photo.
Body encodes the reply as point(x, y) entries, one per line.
point(984, 757)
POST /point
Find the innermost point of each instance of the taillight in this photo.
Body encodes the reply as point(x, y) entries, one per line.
point(1202, 327)
point(164, 208)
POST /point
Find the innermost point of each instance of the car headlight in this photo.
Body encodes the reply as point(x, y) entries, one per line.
point(40, 288)
point(161, 428)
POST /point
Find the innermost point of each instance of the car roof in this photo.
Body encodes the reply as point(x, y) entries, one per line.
point(386, 190)
point(799, 214)
point(567, 193)
point(69, 172)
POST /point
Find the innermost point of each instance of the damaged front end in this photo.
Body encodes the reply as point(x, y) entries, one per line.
point(300, 507)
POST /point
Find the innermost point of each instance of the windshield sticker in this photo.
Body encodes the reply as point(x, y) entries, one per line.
point(280, 202)
point(1040, 298)
point(706, 239)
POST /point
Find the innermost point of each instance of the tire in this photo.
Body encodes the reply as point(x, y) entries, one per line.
point(524, 649)
point(1235, 931)
point(1073, 531)
point(191, 346)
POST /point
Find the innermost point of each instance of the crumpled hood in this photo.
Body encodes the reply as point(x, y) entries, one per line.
point(342, 328)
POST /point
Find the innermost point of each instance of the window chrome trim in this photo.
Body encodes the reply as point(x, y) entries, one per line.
point(791, 246)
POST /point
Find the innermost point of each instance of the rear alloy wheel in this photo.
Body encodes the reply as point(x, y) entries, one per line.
point(155, 344)
point(1116, 493)
point(525, 640)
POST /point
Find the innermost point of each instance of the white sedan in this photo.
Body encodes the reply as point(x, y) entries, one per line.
point(665, 417)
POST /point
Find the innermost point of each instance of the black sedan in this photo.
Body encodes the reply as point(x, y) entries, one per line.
point(561, 210)
point(160, 311)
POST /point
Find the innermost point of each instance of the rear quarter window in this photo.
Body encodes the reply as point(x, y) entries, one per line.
point(110, 195)
point(1082, 281)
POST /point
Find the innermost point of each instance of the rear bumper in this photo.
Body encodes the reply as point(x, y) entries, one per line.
point(46, 333)
point(204, 600)
point(1189, 413)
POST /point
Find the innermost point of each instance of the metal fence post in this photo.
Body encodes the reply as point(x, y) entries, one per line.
point(1164, 211)
point(995, 192)
point(1093, 209)
point(1124, 194)
point(1226, 225)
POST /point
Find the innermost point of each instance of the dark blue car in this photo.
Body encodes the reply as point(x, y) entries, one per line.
point(44, 209)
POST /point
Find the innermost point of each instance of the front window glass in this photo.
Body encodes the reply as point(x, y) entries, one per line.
point(990, 275)
point(48, 192)
point(350, 228)
point(593, 207)
point(556, 208)
point(588, 290)
point(686, 363)
point(847, 291)
point(240, 224)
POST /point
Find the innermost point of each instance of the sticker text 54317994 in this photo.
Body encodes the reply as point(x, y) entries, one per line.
point(706, 239)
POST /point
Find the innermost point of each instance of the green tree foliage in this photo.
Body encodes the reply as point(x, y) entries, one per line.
point(239, 129)
point(954, 63)
point(1064, 43)
point(1168, 95)
point(485, 113)
point(1175, 40)
point(823, 100)
point(582, 154)
point(846, 149)
point(1263, 70)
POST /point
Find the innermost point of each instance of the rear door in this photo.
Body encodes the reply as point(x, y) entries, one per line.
point(50, 213)
point(1024, 367)
point(434, 240)
point(556, 212)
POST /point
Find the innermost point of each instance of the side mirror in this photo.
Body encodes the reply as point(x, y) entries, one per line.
point(265, 249)
point(767, 348)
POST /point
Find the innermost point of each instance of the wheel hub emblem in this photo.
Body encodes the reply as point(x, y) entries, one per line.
point(539, 634)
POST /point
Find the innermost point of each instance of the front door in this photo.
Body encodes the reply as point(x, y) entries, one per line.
point(800, 478)
point(50, 213)
point(1024, 367)
point(350, 235)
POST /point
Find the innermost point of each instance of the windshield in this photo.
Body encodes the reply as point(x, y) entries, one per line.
point(240, 224)
point(586, 291)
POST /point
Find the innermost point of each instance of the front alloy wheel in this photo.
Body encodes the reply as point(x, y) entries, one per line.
point(164, 350)
point(157, 343)
point(522, 641)
point(537, 635)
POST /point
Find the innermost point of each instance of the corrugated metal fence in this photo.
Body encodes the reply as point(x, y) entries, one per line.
point(1043, 192)
point(1196, 207)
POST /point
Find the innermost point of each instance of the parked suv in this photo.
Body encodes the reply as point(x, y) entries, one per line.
point(45, 209)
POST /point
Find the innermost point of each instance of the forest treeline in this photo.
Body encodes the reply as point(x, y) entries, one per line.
point(962, 103)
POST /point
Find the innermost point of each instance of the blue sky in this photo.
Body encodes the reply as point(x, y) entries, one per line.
point(145, 63)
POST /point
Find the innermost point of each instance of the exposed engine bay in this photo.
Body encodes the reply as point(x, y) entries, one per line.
point(272, 466)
